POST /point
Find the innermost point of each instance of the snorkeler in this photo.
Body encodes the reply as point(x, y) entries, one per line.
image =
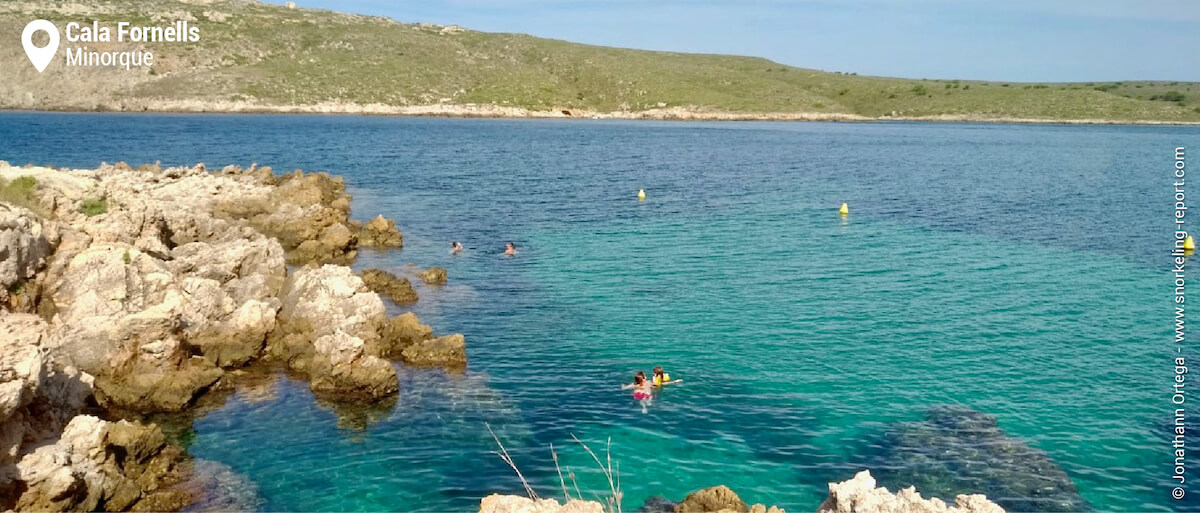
point(456, 247)
point(510, 249)
point(642, 390)
point(662, 378)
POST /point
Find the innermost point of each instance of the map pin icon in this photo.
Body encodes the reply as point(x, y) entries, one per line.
point(40, 57)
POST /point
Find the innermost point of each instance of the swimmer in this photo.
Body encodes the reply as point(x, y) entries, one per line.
point(510, 249)
point(642, 390)
point(455, 248)
point(662, 378)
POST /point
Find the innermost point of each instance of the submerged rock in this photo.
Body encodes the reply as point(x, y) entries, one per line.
point(447, 350)
point(859, 495)
point(433, 276)
point(399, 290)
point(215, 487)
point(497, 503)
point(957, 449)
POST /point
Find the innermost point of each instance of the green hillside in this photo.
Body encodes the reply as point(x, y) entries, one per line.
point(271, 55)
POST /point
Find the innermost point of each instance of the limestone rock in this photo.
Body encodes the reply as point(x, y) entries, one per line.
point(497, 503)
point(331, 298)
point(25, 245)
point(433, 276)
point(95, 464)
point(859, 495)
point(448, 350)
point(381, 232)
point(399, 334)
point(399, 290)
point(341, 367)
point(714, 499)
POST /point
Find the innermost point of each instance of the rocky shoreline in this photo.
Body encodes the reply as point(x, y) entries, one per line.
point(685, 113)
point(128, 292)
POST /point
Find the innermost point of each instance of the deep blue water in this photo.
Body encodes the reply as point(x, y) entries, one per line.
point(1016, 270)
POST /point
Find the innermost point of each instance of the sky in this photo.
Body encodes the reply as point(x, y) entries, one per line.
point(996, 40)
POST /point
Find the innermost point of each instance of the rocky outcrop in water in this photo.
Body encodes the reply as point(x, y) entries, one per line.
point(448, 351)
point(433, 276)
point(381, 233)
point(399, 290)
point(151, 287)
point(957, 449)
point(713, 499)
point(860, 495)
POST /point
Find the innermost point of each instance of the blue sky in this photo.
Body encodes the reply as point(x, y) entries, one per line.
point(1017, 40)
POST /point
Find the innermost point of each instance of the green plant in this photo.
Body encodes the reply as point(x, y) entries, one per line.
point(1170, 96)
point(93, 207)
point(127, 258)
point(919, 90)
point(20, 192)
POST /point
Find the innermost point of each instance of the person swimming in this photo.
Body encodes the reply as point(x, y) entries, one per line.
point(662, 378)
point(510, 249)
point(643, 391)
point(456, 247)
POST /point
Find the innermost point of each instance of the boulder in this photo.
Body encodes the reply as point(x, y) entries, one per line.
point(860, 495)
point(711, 500)
point(433, 276)
point(497, 503)
point(448, 350)
point(26, 243)
point(99, 464)
point(331, 298)
point(122, 316)
point(154, 370)
point(342, 368)
point(399, 334)
point(381, 232)
point(399, 290)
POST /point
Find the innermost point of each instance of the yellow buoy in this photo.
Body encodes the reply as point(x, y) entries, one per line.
point(1189, 244)
point(845, 210)
point(641, 194)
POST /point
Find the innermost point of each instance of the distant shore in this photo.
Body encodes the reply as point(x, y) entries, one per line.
point(508, 112)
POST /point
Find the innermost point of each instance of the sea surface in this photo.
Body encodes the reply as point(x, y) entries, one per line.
point(1020, 271)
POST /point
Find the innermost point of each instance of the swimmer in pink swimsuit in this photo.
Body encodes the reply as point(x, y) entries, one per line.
point(643, 390)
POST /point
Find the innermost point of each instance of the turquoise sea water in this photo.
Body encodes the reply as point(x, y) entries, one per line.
point(1019, 271)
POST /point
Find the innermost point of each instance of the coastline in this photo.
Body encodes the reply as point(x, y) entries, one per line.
point(489, 111)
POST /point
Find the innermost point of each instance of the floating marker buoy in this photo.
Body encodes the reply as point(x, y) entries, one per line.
point(845, 210)
point(1189, 244)
point(641, 194)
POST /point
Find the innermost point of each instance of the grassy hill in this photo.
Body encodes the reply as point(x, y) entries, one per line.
point(266, 56)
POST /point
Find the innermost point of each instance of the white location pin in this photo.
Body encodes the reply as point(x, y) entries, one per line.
point(40, 57)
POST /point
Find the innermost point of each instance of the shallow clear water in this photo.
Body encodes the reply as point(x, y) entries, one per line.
point(1015, 270)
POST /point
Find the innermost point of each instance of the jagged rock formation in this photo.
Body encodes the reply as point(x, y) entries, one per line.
point(382, 233)
point(448, 350)
point(147, 299)
point(860, 495)
point(399, 290)
point(433, 276)
point(497, 503)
